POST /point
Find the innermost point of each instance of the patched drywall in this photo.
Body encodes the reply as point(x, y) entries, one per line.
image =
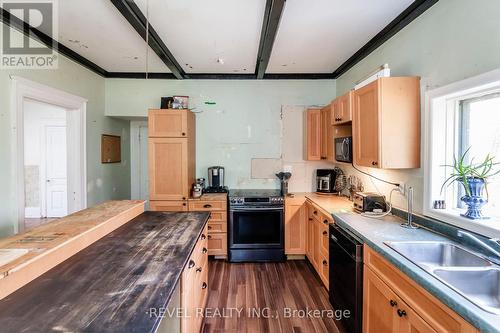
point(238, 123)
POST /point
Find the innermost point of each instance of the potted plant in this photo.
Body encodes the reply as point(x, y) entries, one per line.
point(474, 178)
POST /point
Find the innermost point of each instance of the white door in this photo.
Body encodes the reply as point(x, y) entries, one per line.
point(56, 187)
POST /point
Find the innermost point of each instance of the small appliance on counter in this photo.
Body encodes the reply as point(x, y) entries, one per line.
point(368, 202)
point(284, 177)
point(197, 191)
point(325, 180)
point(216, 180)
point(343, 149)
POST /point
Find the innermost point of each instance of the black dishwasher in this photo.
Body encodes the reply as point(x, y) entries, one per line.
point(346, 277)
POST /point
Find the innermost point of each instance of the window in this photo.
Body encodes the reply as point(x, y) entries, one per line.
point(459, 117)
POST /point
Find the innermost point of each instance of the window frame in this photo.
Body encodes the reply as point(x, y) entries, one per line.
point(438, 103)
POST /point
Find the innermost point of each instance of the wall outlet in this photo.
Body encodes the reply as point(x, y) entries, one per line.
point(403, 189)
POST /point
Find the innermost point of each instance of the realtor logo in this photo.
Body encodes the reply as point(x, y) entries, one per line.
point(28, 47)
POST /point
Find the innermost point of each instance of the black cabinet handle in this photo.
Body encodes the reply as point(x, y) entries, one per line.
point(401, 313)
point(325, 233)
point(199, 269)
point(393, 303)
point(315, 212)
point(209, 237)
point(325, 221)
point(310, 219)
point(183, 198)
point(204, 285)
point(325, 262)
point(204, 250)
point(209, 228)
point(184, 204)
point(203, 236)
point(191, 264)
point(183, 134)
point(207, 206)
point(374, 163)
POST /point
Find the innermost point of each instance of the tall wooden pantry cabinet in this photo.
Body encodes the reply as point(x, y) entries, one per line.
point(172, 153)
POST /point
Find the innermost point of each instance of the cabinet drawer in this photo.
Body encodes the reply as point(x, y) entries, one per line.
point(438, 315)
point(217, 244)
point(168, 206)
point(218, 216)
point(217, 226)
point(207, 205)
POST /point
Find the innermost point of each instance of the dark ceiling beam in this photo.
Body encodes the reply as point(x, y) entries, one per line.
point(272, 16)
point(136, 18)
point(417, 8)
point(221, 76)
point(18, 24)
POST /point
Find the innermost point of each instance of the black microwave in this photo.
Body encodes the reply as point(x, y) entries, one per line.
point(343, 149)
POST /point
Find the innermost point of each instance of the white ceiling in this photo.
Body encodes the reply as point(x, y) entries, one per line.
point(318, 36)
point(198, 32)
point(96, 30)
point(314, 36)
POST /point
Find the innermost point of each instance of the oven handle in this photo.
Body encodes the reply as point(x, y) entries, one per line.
point(256, 209)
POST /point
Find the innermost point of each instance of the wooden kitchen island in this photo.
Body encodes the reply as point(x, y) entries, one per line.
point(120, 283)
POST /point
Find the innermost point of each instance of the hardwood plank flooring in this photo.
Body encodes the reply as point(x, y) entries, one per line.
point(242, 295)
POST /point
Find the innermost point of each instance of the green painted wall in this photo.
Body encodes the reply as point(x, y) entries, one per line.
point(104, 181)
point(244, 124)
point(453, 40)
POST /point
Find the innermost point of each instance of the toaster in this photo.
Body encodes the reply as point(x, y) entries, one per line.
point(368, 202)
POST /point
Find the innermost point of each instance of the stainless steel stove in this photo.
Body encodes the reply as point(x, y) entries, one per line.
point(256, 230)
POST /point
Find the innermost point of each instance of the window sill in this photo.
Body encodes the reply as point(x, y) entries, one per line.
point(488, 227)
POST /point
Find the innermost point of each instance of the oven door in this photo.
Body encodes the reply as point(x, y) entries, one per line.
point(256, 228)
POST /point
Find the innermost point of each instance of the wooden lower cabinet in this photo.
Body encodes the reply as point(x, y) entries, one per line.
point(295, 226)
point(392, 302)
point(317, 247)
point(168, 206)
point(194, 286)
point(216, 204)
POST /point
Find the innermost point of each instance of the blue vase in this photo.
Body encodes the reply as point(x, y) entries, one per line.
point(475, 200)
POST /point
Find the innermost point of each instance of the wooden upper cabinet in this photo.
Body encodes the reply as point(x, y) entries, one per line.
point(168, 169)
point(326, 134)
point(365, 126)
point(169, 123)
point(386, 123)
point(341, 109)
point(295, 226)
point(312, 135)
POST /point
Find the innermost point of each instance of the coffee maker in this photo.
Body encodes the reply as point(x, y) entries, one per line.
point(216, 176)
point(325, 180)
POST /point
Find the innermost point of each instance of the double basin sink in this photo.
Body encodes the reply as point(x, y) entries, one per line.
point(468, 273)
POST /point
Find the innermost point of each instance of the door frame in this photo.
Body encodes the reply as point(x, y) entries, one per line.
point(76, 107)
point(135, 157)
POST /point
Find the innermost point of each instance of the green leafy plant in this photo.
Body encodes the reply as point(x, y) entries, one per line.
point(462, 171)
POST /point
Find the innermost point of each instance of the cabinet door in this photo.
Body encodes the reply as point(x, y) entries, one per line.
point(379, 305)
point(168, 169)
point(168, 123)
point(345, 108)
point(411, 322)
point(366, 125)
point(217, 244)
point(313, 135)
point(334, 111)
point(295, 229)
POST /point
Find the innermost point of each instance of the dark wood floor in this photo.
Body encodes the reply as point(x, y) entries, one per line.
point(239, 293)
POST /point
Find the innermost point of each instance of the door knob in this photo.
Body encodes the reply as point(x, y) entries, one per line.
point(401, 313)
point(325, 233)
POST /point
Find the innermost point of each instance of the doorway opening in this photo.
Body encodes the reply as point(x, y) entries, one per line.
point(49, 153)
point(139, 160)
point(45, 162)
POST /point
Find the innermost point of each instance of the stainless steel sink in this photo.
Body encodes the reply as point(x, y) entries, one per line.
point(468, 273)
point(479, 286)
point(440, 254)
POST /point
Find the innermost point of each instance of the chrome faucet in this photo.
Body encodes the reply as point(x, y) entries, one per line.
point(483, 244)
point(409, 223)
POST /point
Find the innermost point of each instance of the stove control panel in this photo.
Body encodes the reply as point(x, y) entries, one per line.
point(253, 201)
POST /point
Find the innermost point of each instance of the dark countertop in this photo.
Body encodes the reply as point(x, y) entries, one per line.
point(374, 232)
point(111, 285)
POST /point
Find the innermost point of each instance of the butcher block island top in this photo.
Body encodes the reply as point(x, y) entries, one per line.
point(28, 255)
point(112, 285)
